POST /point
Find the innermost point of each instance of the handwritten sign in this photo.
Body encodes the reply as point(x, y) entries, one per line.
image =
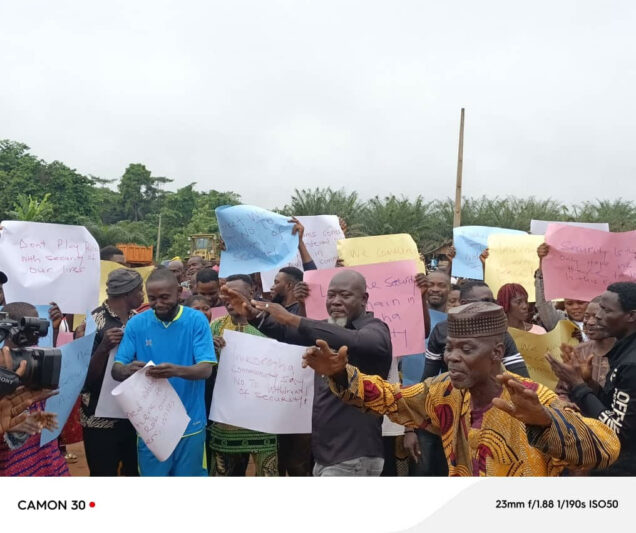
point(583, 262)
point(322, 233)
point(533, 348)
point(255, 239)
point(106, 267)
point(107, 406)
point(413, 365)
point(75, 358)
point(43, 312)
point(393, 298)
point(539, 227)
point(512, 259)
point(261, 385)
point(154, 409)
point(379, 249)
point(48, 262)
point(470, 242)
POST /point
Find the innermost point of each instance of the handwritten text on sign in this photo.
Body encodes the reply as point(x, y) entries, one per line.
point(583, 262)
point(379, 249)
point(154, 409)
point(393, 298)
point(48, 262)
point(261, 385)
point(255, 239)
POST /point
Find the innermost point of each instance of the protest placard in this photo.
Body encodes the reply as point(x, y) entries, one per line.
point(47, 263)
point(76, 356)
point(469, 243)
point(512, 259)
point(255, 239)
point(155, 411)
point(218, 312)
point(412, 366)
point(393, 298)
point(583, 262)
point(322, 233)
point(107, 406)
point(261, 385)
point(534, 347)
point(539, 227)
point(106, 267)
point(379, 249)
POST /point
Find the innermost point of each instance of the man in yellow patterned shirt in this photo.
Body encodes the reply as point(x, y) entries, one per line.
point(491, 424)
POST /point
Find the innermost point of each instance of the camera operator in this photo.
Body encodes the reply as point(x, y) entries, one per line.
point(20, 451)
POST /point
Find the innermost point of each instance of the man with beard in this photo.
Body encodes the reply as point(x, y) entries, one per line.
point(345, 442)
point(492, 424)
point(614, 404)
point(179, 341)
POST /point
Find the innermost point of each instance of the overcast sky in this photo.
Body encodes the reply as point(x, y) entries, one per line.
point(260, 97)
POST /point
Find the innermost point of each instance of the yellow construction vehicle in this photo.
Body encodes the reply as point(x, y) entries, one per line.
point(205, 245)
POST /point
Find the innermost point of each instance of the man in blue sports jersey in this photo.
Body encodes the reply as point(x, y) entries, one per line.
point(179, 341)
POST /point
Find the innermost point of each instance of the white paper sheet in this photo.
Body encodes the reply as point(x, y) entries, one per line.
point(50, 263)
point(154, 409)
point(107, 406)
point(261, 385)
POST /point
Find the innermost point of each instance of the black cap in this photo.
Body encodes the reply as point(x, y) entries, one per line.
point(3, 277)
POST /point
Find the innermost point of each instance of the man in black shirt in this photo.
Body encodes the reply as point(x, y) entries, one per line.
point(615, 403)
point(345, 441)
point(109, 441)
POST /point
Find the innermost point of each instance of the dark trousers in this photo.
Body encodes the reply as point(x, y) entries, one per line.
point(433, 461)
point(294, 455)
point(106, 448)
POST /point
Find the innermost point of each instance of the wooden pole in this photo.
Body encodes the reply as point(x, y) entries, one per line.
point(457, 218)
point(158, 241)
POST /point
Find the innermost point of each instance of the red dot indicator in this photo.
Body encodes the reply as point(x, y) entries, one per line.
point(92, 504)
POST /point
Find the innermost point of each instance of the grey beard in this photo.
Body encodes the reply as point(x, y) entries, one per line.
point(340, 321)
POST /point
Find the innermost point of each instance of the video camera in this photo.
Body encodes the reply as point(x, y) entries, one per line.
point(43, 364)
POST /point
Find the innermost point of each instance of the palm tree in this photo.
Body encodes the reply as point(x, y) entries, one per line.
point(30, 209)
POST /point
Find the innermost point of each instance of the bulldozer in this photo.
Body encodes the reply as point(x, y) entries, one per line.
point(205, 245)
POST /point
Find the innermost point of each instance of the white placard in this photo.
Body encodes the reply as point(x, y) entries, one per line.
point(154, 409)
point(539, 227)
point(261, 385)
point(322, 233)
point(50, 263)
point(107, 407)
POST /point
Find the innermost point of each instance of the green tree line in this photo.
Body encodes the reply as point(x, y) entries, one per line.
point(128, 210)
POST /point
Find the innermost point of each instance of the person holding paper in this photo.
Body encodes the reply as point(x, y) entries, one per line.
point(548, 313)
point(344, 442)
point(20, 450)
point(231, 446)
point(179, 341)
point(514, 300)
point(614, 404)
point(110, 441)
point(491, 424)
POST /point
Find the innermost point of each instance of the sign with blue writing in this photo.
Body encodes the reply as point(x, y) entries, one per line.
point(75, 358)
point(255, 239)
point(470, 242)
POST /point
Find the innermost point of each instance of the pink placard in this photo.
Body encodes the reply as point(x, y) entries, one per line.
point(64, 337)
point(583, 262)
point(393, 298)
point(218, 312)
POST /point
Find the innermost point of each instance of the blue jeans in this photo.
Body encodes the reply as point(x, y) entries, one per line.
point(360, 466)
point(187, 459)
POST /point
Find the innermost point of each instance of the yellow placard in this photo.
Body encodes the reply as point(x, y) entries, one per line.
point(379, 249)
point(106, 267)
point(534, 347)
point(512, 259)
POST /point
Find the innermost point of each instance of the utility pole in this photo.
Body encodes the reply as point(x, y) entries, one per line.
point(457, 218)
point(158, 241)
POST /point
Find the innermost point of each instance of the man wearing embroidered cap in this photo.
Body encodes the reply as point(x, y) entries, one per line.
point(492, 424)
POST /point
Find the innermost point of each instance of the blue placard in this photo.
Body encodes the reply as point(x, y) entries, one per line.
point(75, 358)
point(255, 240)
point(470, 242)
point(43, 312)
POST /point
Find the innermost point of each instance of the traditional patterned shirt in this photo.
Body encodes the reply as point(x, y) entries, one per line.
point(498, 445)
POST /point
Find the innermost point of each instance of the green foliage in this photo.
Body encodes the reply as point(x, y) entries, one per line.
point(32, 210)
